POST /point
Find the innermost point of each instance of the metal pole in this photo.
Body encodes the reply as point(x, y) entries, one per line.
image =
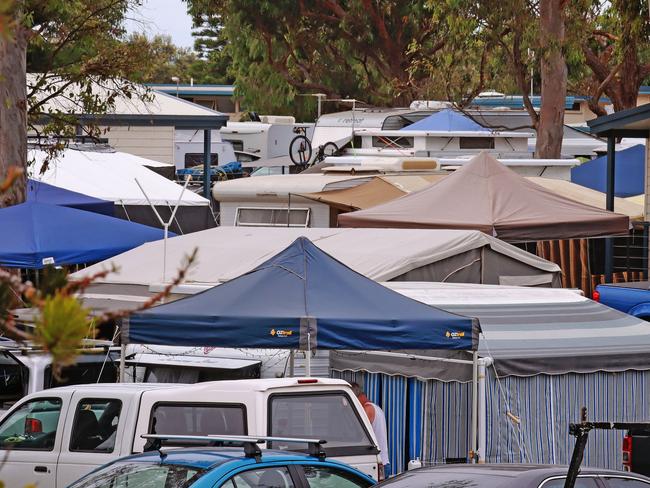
point(166, 228)
point(207, 156)
point(308, 356)
point(482, 408)
point(611, 175)
point(474, 406)
point(292, 363)
point(122, 362)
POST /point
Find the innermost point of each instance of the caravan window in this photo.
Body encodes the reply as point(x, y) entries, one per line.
point(198, 419)
point(329, 416)
point(476, 143)
point(272, 217)
point(196, 159)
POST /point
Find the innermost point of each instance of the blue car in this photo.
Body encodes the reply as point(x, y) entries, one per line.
point(228, 467)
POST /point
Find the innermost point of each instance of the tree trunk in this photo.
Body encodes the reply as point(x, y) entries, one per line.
point(554, 79)
point(13, 113)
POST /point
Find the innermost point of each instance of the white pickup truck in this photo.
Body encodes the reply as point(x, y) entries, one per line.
point(55, 436)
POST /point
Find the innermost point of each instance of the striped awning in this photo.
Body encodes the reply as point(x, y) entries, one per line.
point(580, 336)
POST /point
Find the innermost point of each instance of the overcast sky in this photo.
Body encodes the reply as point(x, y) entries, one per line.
point(163, 17)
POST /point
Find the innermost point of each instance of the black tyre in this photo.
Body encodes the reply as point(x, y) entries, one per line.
point(327, 149)
point(300, 150)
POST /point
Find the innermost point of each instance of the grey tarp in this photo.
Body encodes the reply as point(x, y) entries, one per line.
point(380, 254)
point(486, 195)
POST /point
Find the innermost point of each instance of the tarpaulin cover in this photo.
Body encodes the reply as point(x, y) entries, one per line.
point(629, 175)
point(40, 192)
point(302, 298)
point(447, 120)
point(38, 234)
point(485, 195)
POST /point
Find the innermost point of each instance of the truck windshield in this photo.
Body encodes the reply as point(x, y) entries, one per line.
point(140, 475)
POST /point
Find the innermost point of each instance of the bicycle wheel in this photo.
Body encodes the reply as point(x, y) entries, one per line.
point(327, 149)
point(300, 150)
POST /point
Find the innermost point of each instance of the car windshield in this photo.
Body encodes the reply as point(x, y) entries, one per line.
point(140, 475)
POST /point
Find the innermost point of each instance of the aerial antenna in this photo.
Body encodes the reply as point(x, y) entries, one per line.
point(163, 223)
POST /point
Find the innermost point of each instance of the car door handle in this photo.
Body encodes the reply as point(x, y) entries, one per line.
point(40, 469)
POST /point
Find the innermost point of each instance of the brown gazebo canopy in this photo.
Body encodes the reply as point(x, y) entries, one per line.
point(486, 195)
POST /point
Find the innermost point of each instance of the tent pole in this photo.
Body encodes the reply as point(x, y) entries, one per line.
point(308, 356)
point(483, 364)
point(292, 362)
point(122, 362)
point(474, 446)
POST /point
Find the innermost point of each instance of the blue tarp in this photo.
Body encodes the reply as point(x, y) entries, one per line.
point(447, 120)
point(40, 192)
point(299, 293)
point(629, 177)
point(33, 232)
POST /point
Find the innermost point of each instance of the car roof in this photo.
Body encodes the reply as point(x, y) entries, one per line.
point(211, 457)
point(532, 473)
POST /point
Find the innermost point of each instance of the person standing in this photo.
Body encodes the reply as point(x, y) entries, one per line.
point(378, 422)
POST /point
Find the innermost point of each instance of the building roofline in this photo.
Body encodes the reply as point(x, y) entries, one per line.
point(615, 124)
point(148, 120)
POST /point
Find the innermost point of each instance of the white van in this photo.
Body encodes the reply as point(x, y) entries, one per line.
point(56, 436)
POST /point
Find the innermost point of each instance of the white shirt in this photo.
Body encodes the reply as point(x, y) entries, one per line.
point(379, 427)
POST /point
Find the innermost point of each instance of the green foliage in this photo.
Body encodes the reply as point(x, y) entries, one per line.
point(283, 49)
point(162, 60)
point(77, 60)
point(61, 327)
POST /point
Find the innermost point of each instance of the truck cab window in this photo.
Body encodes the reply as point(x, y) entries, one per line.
point(13, 380)
point(198, 419)
point(95, 425)
point(32, 426)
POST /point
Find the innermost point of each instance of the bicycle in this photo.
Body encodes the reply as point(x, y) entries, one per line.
point(301, 150)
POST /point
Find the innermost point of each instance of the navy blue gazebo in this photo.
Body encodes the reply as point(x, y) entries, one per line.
point(40, 192)
point(39, 234)
point(302, 298)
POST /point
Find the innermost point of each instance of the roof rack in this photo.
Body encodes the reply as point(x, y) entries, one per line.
point(249, 443)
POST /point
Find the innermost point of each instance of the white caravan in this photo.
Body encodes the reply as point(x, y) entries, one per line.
point(188, 149)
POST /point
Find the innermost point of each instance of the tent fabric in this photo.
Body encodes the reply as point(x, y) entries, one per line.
point(486, 195)
point(40, 192)
point(380, 254)
point(567, 189)
point(304, 299)
point(629, 175)
point(366, 195)
point(447, 120)
point(527, 331)
point(49, 234)
point(544, 404)
point(110, 176)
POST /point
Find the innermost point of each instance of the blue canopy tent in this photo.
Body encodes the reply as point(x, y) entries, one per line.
point(629, 172)
point(40, 192)
point(447, 120)
point(40, 234)
point(302, 298)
